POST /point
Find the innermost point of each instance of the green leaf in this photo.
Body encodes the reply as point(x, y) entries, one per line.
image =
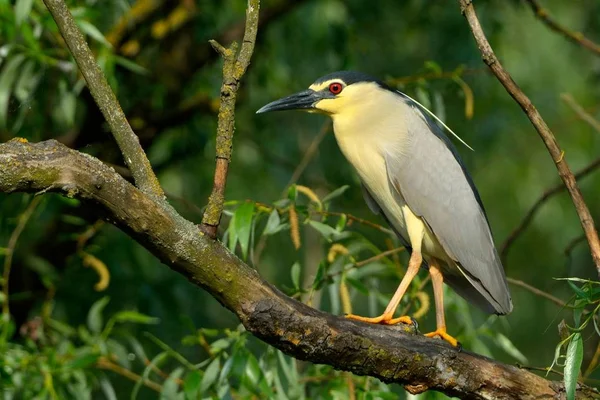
point(578, 291)
point(155, 362)
point(253, 371)
point(288, 369)
point(209, 332)
point(219, 345)
point(65, 112)
point(44, 268)
point(210, 375)
point(327, 231)
point(423, 97)
point(577, 316)
point(171, 387)
point(137, 347)
point(22, 10)
point(320, 275)
point(135, 317)
point(336, 193)
point(273, 223)
point(132, 66)
point(255, 378)
point(191, 385)
point(232, 235)
point(279, 390)
point(107, 389)
point(27, 81)
point(93, 32)
point(509, 348)
point(575, 279)
point(119, 352)
point(242, 221)
point(94, 318)
point(358, 285)
point(170, 351)
point(433, 67)
point(341, 224)
point(8, 76)
point(227, 366)
point(296, 275)
point(383, 395)
point(61, 327)
point(573, 365)
point(292, 193)
point(83, 361)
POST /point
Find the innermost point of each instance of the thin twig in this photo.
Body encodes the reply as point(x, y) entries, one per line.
point(362, 263)
point(298, 171)
point(310, 152)
point(538, 204)
point(594, 362)
point(104, 363)
point(160, 372)
point(541, 369)
point(572, 244)
point(537, 291)
point(10, 250)
point(580, 111)
point(269, 207)
point(424, 283)
point(541, 127)
point(458, 72)
point(379, 256)
point(128, 142)
point(234, 67)
point(356, 219)
point(575, 37)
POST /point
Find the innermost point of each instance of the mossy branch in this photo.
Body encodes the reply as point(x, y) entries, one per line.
point(390, 353)
point(558, 155)
point(128, 142)
point(234, 67)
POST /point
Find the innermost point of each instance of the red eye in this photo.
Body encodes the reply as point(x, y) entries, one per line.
point(335, 88)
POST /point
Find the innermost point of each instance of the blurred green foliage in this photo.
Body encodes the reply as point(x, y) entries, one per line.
point(317, 241)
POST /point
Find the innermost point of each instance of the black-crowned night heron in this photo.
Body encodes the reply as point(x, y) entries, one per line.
point(412, 175)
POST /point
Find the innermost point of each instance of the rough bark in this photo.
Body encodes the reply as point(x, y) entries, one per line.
point(392, 354)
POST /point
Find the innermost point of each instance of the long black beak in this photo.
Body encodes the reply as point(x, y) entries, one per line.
point(299, 101)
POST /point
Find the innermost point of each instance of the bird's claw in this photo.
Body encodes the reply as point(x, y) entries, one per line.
point(442, 334)
point(384, 319)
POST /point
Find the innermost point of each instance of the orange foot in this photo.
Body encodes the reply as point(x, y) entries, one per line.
point(383, 319)
point(441, 333)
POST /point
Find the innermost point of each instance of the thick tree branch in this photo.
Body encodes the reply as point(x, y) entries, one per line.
point(392, 354)
point(234, 67)
point(540, 126)
point(128, 142)
point(575, 37)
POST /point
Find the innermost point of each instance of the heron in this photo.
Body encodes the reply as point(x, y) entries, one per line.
point(412, 175)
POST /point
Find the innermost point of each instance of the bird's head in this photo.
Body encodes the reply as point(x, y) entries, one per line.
point(333, 94)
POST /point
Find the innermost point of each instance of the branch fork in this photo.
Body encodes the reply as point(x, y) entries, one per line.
point(234, 67)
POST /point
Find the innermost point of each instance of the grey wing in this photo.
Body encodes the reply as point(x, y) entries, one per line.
point(375, 209)
point(437, 188)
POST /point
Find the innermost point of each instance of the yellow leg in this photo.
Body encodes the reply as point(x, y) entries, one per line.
point(437, 280)
point(416, 230)
point(387, 317)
